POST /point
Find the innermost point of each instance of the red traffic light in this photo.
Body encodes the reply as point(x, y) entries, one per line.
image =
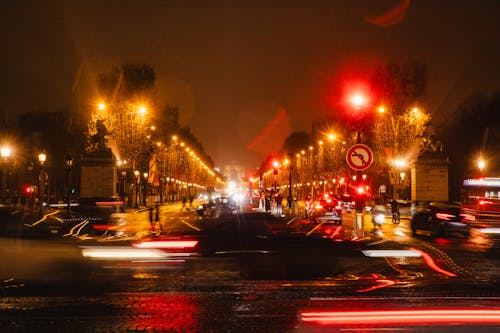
point(276, 164)
point(28, 189)
point(358, 100)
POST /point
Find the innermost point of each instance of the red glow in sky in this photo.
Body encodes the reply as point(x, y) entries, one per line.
point(391, 17)
point(271, 138)
point(215, 60)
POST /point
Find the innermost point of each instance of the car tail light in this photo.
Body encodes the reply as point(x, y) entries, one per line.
point(445, 216)
point(167, 244)
point(468, 217)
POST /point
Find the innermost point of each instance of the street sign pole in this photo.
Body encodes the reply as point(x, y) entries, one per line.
point(359, 157)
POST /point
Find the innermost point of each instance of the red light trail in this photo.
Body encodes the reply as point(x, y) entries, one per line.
point(423, 317)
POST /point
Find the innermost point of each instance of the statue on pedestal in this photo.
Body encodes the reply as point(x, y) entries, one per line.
point(97, 142)
point(98, 167)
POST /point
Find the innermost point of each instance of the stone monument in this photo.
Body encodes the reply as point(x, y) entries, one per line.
point(98, 173)
point(429, 177)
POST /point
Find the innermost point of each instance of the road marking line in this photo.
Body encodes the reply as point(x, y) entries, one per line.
point(378, 242)
point(313, 229)
point(190, 225)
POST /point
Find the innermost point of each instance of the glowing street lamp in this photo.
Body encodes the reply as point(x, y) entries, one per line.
point(142, 110)
point(136, 185)
point(101, 106)
point(42, 158)
point(400, 163)
point(276, 164)
point(145, 175)
point(481, 164)
point(5, 153)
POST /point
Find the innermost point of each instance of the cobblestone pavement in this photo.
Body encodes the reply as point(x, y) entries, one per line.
point(213, 298)
point(271, 306)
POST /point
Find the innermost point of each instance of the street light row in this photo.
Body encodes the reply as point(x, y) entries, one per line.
point(190, 153)
point(142, 110)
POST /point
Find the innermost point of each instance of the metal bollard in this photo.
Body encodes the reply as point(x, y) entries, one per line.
point(359, 224)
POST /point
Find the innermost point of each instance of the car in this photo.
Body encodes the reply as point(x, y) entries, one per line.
point(440, 218)
point(347, 202)
point(218, 207)
point(329, 208)
point(263, 246)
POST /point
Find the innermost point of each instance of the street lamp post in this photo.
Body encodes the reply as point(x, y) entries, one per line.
point(481, 164)
point(124, 176)
point(399, 178)
point(145, 191)
point(275, 172)
point(69, 165)
point(137, 183)
point(42, 158)
point(290, 197)
point(5, 154)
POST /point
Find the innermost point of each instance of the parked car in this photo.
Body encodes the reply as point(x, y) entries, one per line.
point(440, 218)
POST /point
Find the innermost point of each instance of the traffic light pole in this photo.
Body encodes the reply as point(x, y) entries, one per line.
point(359, 200)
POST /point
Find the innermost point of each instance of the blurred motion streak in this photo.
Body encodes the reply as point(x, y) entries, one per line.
point(490, 230)
point(121, 252)
point(109, 203)
point(166, 244)
point(430, 262)
point(381, 284)
point(44, 218)
point(391, 253)
point(423, 317)
point(75, 231)
point(336, 232)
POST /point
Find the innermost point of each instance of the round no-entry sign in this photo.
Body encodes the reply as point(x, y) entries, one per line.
point(359, 157)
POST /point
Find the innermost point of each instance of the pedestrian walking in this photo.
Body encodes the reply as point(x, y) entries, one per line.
point(183, 203)
point(191, 199)
point(279, 206)
point(308, 206)
point(268, 202)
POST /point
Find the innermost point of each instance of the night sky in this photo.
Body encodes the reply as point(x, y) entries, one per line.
point(245, 73)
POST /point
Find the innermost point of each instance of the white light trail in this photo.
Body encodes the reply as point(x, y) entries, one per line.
point(121, 252)
point(391, 253)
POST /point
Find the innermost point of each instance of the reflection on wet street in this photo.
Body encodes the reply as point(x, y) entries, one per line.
point(269, 276)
